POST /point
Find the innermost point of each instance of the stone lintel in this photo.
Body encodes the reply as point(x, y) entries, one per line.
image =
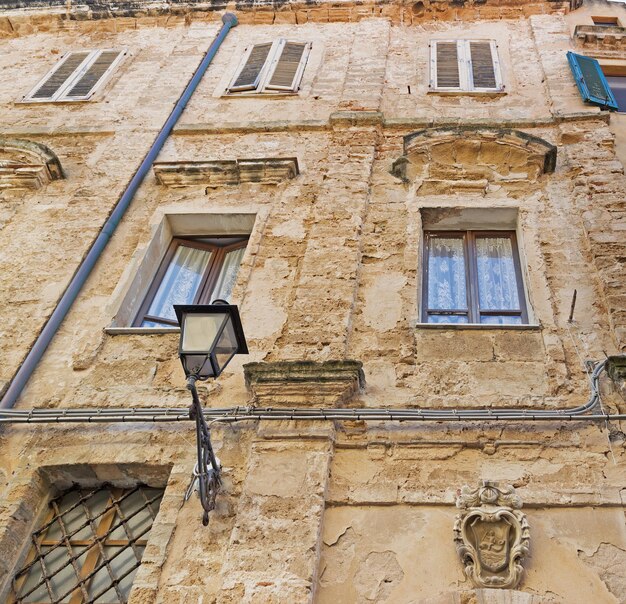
point(310, 383)
point(217, 173)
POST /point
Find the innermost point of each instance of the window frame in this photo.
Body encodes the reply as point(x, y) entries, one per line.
point(209, 278)
point(61, 94)
point(605, 21)
point(266, 72)
point(464, 64)
point(473, 312)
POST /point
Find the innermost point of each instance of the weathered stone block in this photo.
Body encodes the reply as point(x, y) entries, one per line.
point(326, 383)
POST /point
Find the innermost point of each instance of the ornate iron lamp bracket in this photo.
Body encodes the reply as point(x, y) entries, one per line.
point(207, 471)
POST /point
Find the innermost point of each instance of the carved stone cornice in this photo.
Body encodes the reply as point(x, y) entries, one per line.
point(608, 36)
point(315, 384)
point(491, 535)
point(468, 159)
point(217, 173)
point(25, 164)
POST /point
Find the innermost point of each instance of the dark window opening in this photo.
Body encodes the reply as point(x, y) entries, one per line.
point(606, 21)
point(618, 88)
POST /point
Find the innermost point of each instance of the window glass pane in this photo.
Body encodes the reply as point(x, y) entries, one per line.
point(447, 319)
point(180, 282)
point(228, 275)
point(120, 561)
point(446, 274)
point(497, 282)
point(501, 320)
point(226, 347)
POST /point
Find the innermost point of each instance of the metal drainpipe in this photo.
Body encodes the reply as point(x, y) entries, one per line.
point(33, 357)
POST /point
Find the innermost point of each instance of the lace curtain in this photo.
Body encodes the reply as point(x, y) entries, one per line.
point(446, 276)
point(497, 283)
point(180, 283)
point(228, 275)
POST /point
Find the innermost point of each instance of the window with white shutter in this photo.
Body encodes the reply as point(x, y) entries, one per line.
point(271, 67)
point(465, 66)
point(76, 77)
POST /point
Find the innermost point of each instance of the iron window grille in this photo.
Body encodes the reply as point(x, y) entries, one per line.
point(193, 271)
point(89, 546)
point(472, 277)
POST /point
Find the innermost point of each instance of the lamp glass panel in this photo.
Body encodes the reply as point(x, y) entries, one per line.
point(200, 331)
point(226, 346)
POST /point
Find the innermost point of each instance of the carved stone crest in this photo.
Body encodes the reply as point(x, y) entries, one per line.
point(491, 535)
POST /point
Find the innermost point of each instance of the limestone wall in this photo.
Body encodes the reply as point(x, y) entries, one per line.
point(324, 511)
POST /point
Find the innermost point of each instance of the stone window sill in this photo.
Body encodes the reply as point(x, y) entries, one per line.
point(119, 331)
point(478, 93)
point(479, 326)
point(264, 95)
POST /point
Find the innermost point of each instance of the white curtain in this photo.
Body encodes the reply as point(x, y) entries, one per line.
point(497, 283)
point(180, 282)
point(446, 275)
point(228, 275)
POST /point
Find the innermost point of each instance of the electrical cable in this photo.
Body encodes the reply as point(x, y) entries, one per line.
point(588, 411)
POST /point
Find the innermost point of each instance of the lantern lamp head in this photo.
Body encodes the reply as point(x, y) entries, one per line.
point(210, 336)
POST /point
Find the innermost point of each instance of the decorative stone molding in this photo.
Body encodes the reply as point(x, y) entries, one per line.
point(267, 171)
point(491, 535)
point(27, 165)
point(473, 158)
point(289, 383)
point(606, 36)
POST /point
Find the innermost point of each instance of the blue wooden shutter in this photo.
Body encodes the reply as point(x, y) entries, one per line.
point(590, 80)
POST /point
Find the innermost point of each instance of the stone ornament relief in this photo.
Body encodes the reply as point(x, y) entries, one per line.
point(491, 535)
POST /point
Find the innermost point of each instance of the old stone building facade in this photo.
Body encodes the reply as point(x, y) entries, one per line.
point(401, 198)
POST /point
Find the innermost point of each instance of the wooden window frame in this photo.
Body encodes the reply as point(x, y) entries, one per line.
point(262, 85)
point(209, 278)
point(61, 95)
point(606, 21)
point(473, 312)
point(464, 61)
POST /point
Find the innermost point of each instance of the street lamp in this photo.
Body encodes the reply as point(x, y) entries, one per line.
point(210, 336)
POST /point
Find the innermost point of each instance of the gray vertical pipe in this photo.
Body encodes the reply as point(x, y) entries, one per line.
point(84, 270)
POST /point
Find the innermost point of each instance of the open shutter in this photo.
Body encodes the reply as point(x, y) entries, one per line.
point(249, 75)
point(590, 80)
point(445, 65)
point(289, 66)
point(484, 65)
point(97, 71)
point(54, 81)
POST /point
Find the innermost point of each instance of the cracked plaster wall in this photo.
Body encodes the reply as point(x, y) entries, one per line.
point(332, 271)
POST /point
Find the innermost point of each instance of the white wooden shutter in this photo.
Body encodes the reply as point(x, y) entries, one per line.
point(86, 82)
point(288, 66)
point(249, 74)
point(484, 66)
point(445, 73)
point(54, 80)
point(465, 65)
point(76, 76)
